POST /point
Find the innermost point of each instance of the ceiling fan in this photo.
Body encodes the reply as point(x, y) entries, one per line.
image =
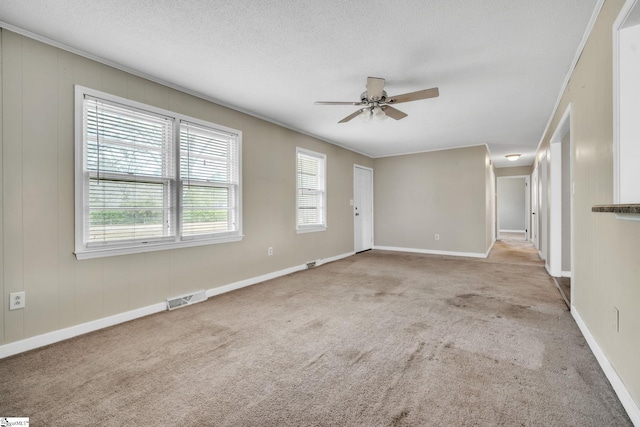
point(376, 104)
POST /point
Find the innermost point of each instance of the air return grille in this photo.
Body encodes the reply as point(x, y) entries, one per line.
point(184, 300)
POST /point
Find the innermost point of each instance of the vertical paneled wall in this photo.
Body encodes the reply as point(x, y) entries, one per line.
point(605, 249)
point(38, 199)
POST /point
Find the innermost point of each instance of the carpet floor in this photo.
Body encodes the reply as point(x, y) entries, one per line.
point(376, 339)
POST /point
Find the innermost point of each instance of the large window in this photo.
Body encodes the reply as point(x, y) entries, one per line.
point(311, 211)
point(149, 179)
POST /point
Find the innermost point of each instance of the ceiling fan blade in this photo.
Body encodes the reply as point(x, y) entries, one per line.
point(413, 96)
point(393, 113)
point(375, 87)
point(350, 116)
point(336, 103)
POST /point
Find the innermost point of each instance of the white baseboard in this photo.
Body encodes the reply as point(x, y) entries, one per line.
point(490, 248)
point(433, 252)
point(48, 338)
point(512, 231)
point(27, 344)
point(565, 274)
point(632, 408)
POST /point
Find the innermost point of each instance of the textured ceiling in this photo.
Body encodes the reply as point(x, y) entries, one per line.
point(499, 64)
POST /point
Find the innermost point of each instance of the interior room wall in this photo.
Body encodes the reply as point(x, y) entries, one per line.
point(511, 204)
point(606, 269)
point(441, 192)
point(38, 199)
point(514, 171)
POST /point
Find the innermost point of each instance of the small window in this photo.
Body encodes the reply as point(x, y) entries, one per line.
point(149, 179)
point(311, 214)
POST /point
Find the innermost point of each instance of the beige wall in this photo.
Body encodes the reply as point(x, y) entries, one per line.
point(441, 192)
point(514, 171)
point(605, 249)
point(38, 199)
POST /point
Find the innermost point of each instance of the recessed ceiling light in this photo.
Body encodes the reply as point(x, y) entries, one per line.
point(512, 157)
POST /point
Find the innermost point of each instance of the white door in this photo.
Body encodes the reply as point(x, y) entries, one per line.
point(534, 208)
point(543, 207)
point(362, 208)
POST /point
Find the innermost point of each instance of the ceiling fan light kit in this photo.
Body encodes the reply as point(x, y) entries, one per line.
point(377, 104)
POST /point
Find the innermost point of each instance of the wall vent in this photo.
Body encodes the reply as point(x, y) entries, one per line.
point(188, 299)
point(311, 264)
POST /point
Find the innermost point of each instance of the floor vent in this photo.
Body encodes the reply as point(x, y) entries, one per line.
point(311, 264)
point(183, 300)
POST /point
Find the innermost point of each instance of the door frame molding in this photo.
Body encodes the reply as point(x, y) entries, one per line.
point(527, 203)
point(353, 207)
point(556, 202)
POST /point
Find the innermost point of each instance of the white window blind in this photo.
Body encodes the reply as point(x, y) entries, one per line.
point(150, 179)
point(209, 178)
point(131, 173)
point(311, 194)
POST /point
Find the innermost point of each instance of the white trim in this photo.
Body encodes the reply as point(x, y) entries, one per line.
point(48, 338)
point(632, 408)
point(554, 257)
point(151, 247)
point(617, 26)
point(322, 162)
point(490, 249)
point(576, 58)
point(628, 216)
point(356, 166)
point(565, 274)
point(16, 347)
point(512, 231)
point(82, 249)
point(434, 252)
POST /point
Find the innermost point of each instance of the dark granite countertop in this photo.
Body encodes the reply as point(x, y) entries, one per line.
point(622, 209)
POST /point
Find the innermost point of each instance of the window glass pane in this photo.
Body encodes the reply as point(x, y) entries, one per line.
point(207, 210)
point(206, 154)
point(129, 194)
point(310, 183)
point(125, 210)
point(209, 174)
point(129, 141)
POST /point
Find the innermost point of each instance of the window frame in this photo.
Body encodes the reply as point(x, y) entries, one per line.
point(87, 250)
point(322, 226)
point(622, 152)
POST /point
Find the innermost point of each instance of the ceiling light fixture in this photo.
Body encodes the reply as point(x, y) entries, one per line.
point(512, 157)
point(374, 111)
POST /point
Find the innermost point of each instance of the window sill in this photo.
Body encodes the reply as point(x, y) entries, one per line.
point(622, 211)
point(311, 229)
point(151, 247)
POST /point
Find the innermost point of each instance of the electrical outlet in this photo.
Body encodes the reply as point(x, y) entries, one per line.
point(17, 300)
point(437, 237)
point(616, 319)
point(270, 251)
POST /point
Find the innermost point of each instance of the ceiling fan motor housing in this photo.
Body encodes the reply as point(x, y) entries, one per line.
point(364, 97)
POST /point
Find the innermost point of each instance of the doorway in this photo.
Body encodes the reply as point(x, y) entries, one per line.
point(513, 207)
point(534, 208)
point(543, 218)
point(561, 207)
point(362, 208)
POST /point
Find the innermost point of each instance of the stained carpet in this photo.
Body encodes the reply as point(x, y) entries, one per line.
point(376, 339)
